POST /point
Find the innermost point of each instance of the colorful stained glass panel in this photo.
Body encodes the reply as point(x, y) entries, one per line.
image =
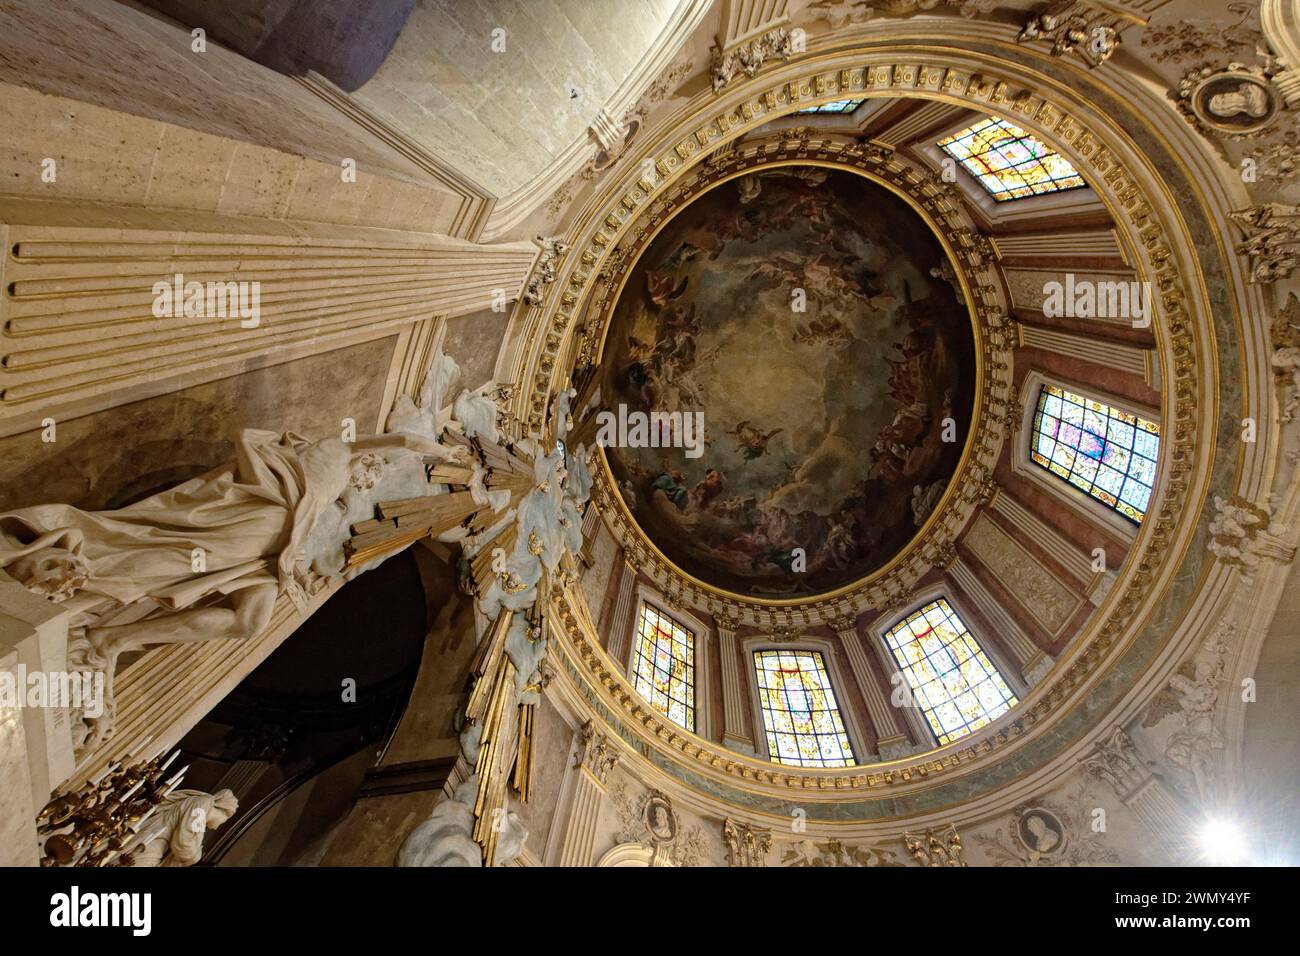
point(835, 106)
point(951, 678)
point(1010, 163)
point(1109, 453)
point(800, 716)
point(663, 670)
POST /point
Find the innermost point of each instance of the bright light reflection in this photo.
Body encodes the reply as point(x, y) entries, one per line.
point(1222, 843)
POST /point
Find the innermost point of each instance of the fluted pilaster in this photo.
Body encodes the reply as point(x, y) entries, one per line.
point(595, 759)
point(891, 741)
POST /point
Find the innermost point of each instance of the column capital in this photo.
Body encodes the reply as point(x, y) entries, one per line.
point(1116, 761)
point(846, 624)
point(726, 621)
point(596, 754)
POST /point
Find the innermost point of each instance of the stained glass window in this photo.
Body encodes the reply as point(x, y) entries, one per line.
point(1103, 451)
point(1010, 163)
point(835, 106)
point(664, 668)
point(803, 723)
point(951, 678)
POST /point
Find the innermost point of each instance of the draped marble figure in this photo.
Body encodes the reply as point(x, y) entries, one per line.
point(207, 559)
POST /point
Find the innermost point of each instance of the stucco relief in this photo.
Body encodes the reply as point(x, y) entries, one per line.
point(1068, 828)
point(647, 818)
point(1049, 601)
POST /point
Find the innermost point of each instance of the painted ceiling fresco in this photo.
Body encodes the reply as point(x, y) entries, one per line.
point(824, 428)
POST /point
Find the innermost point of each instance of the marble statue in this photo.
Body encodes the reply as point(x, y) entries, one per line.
point(208, 558)
point(444, 839)
point(173, 835)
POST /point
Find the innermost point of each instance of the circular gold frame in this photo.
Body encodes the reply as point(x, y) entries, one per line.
point(609, 302)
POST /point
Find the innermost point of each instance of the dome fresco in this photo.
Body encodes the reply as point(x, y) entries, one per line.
point(811, 316)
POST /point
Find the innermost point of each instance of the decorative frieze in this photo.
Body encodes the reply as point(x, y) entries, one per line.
point(1045, 536)
point(1239, 535)
point(651, 823)
point(1191, 698)
point(748, 58)
point(835, 853)
point(1046, 599)
point(545, 271)
point(1088, 30)
point(596, 755)
point(1030, 660)
point(1271, 239)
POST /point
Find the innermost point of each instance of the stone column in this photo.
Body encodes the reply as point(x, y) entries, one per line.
point(891, 741)
point(595, 758)
point(733, 698)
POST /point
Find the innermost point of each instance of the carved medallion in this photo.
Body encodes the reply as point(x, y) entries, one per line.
point(1236, 101)
point(1040, 831)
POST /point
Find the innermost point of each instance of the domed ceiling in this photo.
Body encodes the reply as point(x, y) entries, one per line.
point(805, 312)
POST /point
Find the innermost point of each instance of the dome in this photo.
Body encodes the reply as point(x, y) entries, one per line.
point(801, 315)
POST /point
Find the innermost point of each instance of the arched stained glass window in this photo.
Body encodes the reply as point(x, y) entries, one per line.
point(1104, 451)
point(663, 670)
point(802, 720)
point(951, 678)
point(1010, 163)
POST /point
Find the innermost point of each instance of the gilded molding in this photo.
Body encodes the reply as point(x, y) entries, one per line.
point(972, 255)
point(1150, 228)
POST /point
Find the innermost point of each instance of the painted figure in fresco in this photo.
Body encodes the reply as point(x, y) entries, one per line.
point(672, 484)
point(856, 389)
point(751, 440)
point(708, 489)
point(661, 289)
